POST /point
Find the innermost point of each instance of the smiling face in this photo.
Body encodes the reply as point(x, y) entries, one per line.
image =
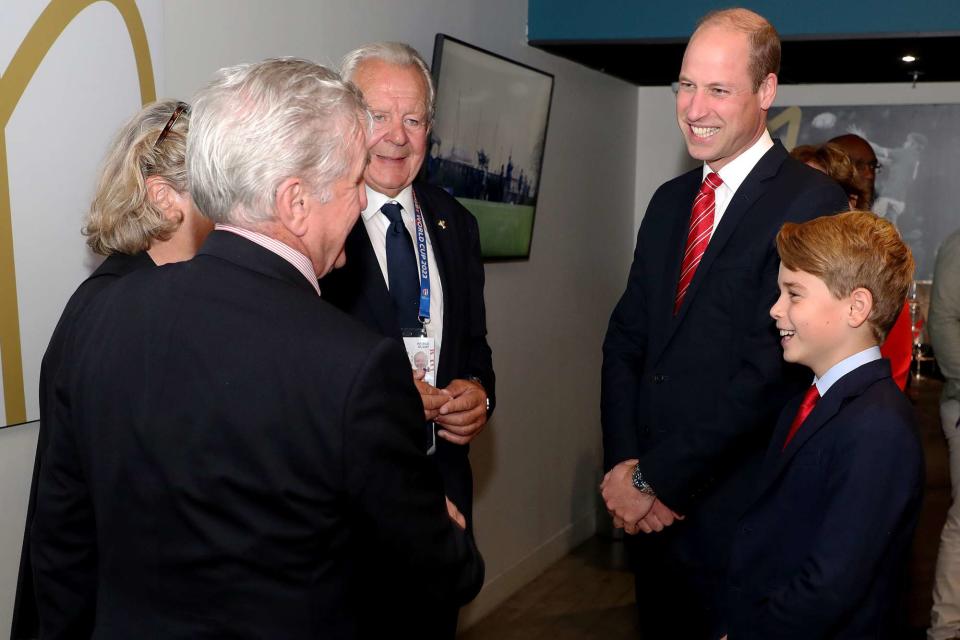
point(814, 324)
point(397, 97)
point(718, 111)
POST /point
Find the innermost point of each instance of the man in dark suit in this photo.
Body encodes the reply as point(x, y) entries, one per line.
point(692, 377)
point(399, 91)
point(231, 453)
point(375, 288)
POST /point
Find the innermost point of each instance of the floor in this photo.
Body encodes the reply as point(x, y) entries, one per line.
point(588, 594)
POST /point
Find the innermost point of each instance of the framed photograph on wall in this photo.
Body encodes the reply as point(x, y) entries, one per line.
point(487, 141)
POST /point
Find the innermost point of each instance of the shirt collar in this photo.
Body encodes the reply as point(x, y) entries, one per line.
point(736, 171)
point(844, 367)
point(375, 200)
point(299, 261)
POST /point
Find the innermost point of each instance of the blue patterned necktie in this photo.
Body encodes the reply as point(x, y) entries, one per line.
point(404, 282)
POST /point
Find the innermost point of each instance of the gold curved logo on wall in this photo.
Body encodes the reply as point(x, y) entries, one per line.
point(41, 37)
point(789, 118)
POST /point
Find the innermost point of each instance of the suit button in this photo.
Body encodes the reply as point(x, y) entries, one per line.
point(746, 529)
point(658, 378)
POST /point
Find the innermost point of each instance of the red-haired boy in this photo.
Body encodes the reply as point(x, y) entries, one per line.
point(820, 551)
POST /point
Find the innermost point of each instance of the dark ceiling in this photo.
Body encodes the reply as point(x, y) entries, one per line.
point(804, 61)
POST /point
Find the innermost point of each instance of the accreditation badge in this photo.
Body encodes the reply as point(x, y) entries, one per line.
point(421, 351)
point(422, 354)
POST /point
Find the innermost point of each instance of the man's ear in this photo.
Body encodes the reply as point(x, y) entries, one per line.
point(163, 196)
point(768, 91)
point(290, 204)
point(861, 305)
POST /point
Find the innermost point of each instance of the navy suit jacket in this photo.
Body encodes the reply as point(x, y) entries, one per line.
point(230, 455)
point(359, 289)
point(694, 396)
point(25, 621)
point(820, 552)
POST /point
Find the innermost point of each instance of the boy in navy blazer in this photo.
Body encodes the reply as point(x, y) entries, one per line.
point(820, 551)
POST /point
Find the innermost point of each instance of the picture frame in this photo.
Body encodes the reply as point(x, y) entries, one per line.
point(487, 141)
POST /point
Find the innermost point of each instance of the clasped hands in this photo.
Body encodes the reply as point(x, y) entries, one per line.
point(630, 508)
point(460, 408)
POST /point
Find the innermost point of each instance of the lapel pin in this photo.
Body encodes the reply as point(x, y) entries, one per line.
point(442, 224)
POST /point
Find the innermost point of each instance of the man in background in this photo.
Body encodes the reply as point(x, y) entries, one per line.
point(864, 161)
point(692, 377)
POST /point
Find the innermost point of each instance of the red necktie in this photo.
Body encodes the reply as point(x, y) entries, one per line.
point(806, 406)
point(698, 237)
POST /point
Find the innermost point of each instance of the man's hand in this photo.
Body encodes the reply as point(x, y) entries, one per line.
point(455, 514)
point(659, 517)
point(625, 503)
point(431, 397)
point(464, 414)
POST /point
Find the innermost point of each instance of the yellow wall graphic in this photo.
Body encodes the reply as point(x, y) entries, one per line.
point(13, 83)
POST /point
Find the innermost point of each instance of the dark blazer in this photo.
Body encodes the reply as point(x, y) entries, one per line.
point(821, 551)
point(694, 396)
point(359, 289)
point(25, 621)
point(229, 453)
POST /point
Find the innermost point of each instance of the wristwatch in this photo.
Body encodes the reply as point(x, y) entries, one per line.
point(640, 484)
point(480, 382)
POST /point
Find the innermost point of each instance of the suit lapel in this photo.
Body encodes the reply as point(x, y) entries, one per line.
point(369, 279)
point(747, 194)
point(663, 327)
point(851, 385)
point(437, 236)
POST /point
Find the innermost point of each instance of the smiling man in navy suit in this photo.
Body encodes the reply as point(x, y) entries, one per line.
point(692, 378)
point(414, 273)
point(820, 552)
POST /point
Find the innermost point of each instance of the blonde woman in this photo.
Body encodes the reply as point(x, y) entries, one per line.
point(141, 216)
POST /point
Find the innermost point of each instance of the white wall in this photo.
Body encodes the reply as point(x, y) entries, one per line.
point(85, 86)
point(660, 150)
point(538, 462)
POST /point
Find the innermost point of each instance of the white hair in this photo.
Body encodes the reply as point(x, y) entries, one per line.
point(398, 53)
point(255, 125)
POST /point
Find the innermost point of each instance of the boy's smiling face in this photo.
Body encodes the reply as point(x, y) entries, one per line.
point(813, 323)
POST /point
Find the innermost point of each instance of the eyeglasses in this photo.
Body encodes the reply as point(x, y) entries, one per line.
point(182, 108)
point(873, 165)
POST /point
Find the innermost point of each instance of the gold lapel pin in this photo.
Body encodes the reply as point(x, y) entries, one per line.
point(442, 224)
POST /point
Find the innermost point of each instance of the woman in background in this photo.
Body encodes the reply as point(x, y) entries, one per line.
point(141, 216)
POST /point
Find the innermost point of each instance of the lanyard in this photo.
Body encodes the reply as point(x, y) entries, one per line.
point(424, 270)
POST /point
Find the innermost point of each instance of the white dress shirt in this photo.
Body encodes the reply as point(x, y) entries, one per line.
point(734, 173)
point(377, 225)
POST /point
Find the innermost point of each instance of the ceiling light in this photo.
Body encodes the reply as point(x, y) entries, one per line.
point(909, 58)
